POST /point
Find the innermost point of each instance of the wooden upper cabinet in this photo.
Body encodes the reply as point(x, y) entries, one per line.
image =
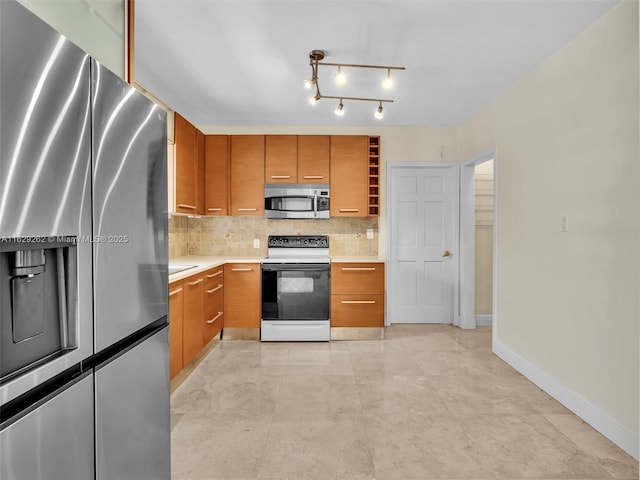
point(186, 171)
point(216, 174)
point(313, 158)
point(281, 159)
point(200, 151)
point(349, 176)
point(247, 175)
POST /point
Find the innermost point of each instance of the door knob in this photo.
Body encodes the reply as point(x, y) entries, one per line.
point(446, 253)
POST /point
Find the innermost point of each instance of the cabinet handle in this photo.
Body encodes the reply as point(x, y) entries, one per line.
point(349, 210)
point(359, 302)
point(211, 275)
point(184, 205)
point(281, 176)
point(215, 289)
point(358, 269)
point(175, 292)
point(200, 280)
point(215, 318)
point(313, 176)
point(214, 209)
point(242, 269)
point(247, 209)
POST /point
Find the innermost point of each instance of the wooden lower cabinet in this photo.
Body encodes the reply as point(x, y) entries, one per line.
point(357, 294)
point(213, 303)
point(176, 301)
point(192, 336)
point(242, 307)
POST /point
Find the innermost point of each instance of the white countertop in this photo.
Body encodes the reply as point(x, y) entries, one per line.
point(202, 263)
point(356, 259)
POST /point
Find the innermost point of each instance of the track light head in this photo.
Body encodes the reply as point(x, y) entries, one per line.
point(341, 78)
point(387, 82)
point(379, 112)
point(314, 99)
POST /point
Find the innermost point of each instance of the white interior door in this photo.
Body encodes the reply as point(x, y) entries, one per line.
point(423, 242)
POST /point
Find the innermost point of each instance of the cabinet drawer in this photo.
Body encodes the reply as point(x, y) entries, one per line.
point(213, 301)
point(213, 277)
point(213, 328)
point(214, 315)
point(351, 278)
point(357, 310)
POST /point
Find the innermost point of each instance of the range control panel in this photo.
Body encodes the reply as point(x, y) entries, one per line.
point(298, 241)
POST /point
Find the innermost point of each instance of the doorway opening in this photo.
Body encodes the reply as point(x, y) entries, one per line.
point(483, 278)
point(478, 227)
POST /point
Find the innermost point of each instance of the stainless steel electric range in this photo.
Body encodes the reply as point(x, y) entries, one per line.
point(296, 289)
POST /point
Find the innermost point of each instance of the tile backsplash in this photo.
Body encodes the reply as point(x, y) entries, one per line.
point(235, 235)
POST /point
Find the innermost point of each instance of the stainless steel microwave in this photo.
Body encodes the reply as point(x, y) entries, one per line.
point(296, 200)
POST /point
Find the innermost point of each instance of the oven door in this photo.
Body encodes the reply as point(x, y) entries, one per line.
point(295, 291)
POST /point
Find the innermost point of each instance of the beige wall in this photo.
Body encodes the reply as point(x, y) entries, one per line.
point(567, 140)
point(96, 26)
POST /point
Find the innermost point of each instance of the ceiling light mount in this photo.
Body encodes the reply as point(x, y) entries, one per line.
point(316, 56)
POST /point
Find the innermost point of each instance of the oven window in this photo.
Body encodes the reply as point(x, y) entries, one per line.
point(295, 294)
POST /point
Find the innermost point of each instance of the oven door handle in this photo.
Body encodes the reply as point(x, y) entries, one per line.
point(283, 267)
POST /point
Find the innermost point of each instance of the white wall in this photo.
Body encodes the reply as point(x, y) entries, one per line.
point(96, 26)
point(567, 140)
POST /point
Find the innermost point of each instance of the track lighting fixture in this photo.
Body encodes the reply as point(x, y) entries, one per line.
point(314, 60)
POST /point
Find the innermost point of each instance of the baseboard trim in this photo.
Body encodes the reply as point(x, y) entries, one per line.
point(357, 333)
point(583, 408)
point(485, 320)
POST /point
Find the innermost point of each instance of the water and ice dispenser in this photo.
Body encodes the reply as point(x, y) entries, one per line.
point(38, 292)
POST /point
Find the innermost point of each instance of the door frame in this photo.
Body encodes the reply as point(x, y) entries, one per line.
point(455, 297)
point(468, 243)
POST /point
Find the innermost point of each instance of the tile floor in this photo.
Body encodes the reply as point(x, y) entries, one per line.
point(428, 402)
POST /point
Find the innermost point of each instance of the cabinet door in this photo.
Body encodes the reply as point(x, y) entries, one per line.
point(242, 308)
point(216, 174)
point(186, 173)
point(313, 158)
point(200, 159)
point(247, 175)
point(281, 159)
point(193, 315)
point(176, 302)
point(349, 176)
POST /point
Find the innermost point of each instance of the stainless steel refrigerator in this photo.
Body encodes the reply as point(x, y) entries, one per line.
point(84, 363)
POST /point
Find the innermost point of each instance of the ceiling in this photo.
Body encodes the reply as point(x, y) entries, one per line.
point(241, 63)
